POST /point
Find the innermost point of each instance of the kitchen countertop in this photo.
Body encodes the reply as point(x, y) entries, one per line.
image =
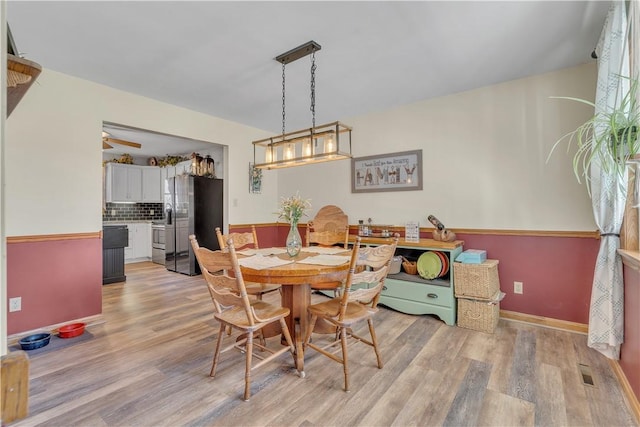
point(120, 222)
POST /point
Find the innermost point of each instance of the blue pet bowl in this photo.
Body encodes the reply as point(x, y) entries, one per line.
point(34, 341)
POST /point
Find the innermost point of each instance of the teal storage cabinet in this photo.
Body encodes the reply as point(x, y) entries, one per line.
point(412, 294)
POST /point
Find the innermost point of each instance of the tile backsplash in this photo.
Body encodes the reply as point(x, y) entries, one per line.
point(133, 212)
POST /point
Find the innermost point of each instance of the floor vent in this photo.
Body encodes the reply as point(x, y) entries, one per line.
point(587, 376)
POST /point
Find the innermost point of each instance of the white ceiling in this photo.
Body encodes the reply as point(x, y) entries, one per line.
point(154, 144)
point(218, 57)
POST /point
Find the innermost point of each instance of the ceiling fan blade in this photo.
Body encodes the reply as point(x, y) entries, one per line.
point(106, 146)
point(122, 142)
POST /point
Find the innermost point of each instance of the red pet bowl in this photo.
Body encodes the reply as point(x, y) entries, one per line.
point(71, 330)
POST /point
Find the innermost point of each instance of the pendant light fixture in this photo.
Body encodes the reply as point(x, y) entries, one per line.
point(316, 144)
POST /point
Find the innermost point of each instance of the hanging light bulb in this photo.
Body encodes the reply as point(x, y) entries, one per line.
point(289, 151)
point(329, 145)
point(268, 155)
point(307, 148)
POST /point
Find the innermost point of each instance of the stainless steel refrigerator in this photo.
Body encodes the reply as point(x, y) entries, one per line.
point(193, 205)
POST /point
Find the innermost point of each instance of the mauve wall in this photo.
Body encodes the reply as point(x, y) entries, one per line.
point(556, 272)
point(267, 234)
point(57, 280)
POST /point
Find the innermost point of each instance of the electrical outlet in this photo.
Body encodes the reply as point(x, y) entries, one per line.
point(517, 287)
point(151, 212)
point(15, 304)
point(113, 212)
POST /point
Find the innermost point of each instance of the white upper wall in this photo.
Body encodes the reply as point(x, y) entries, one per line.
point(54, 154)
point(484, 159)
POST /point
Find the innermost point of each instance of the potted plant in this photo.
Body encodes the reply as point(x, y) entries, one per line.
point(610, 136)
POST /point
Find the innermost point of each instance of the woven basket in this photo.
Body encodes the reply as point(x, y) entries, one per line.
point(478, 281)
point(479, 315)
point(410, 267)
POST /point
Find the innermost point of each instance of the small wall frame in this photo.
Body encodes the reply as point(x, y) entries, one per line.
point(255, 179)
point(400, 171)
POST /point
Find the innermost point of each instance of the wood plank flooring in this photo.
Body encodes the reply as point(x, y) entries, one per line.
point(148, 365)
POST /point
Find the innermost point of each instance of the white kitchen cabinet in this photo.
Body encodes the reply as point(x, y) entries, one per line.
point(133, 183)
point(139, 248)
point(128, 250)
point(166, 172)
point(123, 183)
point(142, 247)
point(151, 184)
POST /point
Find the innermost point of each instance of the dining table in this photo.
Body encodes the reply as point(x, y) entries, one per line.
point(312, 265)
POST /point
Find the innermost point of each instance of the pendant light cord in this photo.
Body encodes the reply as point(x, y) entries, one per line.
point(313, 93)
point(283, 99)
point(313, 89)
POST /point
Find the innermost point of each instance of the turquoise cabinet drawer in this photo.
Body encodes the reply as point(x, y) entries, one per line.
point(436, 295)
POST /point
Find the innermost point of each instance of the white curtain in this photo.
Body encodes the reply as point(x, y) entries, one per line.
point(634, 53)
point(608, 194)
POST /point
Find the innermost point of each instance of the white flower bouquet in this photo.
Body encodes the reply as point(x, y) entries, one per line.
point(293, 208)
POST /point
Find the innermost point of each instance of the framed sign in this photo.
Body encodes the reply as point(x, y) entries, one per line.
point(387, 172)
point(412, 231)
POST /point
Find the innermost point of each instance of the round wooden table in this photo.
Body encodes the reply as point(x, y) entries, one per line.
point(296, 280)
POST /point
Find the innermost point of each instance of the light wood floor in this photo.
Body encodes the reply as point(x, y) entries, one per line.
point(148, 365)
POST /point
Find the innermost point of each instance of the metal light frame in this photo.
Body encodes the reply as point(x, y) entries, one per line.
point(316, 144)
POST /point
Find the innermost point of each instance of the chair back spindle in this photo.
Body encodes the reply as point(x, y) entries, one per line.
point(242, 241)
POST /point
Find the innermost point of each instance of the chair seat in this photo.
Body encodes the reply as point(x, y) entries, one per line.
point(355, 312)
point(266, 312)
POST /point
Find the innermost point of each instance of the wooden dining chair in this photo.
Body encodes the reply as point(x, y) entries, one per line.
point(234, 309)
point(242, 241)
point(330, 227)
point(354, 306)
point(203, 266)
